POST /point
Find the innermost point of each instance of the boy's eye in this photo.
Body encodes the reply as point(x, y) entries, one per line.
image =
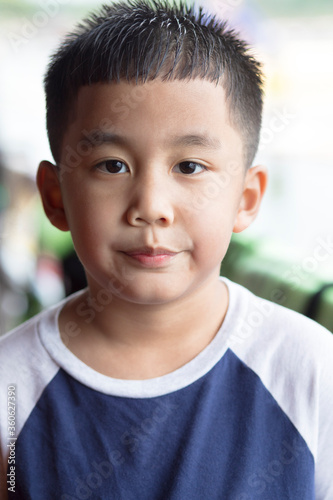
point(189, 167)
point(112, 167)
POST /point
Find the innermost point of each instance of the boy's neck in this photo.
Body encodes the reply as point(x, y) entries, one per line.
point(135, 341)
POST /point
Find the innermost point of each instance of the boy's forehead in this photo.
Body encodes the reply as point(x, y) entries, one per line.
point(194, 110)
point(122, 99)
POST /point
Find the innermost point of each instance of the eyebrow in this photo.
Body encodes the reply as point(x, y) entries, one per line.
point(98, 137)
point(204, 141)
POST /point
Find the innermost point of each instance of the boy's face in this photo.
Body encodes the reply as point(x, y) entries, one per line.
point(152, 184)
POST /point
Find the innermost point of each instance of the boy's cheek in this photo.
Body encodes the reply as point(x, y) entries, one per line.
point(220, 193)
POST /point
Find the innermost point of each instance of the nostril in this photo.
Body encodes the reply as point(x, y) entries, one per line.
point(141, 214)
point(147, 220)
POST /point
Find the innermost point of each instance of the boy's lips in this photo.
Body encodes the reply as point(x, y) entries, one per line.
point(151, 257)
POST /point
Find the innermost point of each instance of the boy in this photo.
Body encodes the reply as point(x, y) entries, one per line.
point(141, 386)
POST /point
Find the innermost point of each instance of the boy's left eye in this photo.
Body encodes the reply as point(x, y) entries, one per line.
point(189, 167)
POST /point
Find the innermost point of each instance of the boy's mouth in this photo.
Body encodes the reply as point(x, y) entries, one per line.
point(151, 257)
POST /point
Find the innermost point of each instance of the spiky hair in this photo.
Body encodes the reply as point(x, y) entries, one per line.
point(141, 40)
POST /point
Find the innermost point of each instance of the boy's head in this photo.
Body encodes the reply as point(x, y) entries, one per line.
point(140, 41)
point(153, 114)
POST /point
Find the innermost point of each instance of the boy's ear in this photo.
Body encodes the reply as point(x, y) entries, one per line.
point(253, 191)
point(49, 188)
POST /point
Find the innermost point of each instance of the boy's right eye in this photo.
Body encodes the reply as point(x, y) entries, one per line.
point(112, 167)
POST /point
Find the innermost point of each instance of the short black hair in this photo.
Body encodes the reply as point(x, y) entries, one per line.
point(140, 40)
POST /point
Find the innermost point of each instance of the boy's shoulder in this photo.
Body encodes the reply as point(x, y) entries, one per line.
point(272, 339)
point(25, 363)
point(291, 355)
point(26, 351)
point(15, 342)
point(23, 340)
point(254, 318)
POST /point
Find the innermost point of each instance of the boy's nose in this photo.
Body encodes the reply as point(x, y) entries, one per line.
point(150, 203)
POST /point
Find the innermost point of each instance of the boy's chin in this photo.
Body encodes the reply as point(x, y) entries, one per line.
point(152, 292)
point(153, 289)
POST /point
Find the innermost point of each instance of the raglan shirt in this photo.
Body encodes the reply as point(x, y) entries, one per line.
point(250, 417)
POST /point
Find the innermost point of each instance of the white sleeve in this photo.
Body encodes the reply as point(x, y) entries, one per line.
point(324, 459)
point(293, 356)
point(25, 364)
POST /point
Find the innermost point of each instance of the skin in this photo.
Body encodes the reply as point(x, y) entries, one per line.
point(151, 212)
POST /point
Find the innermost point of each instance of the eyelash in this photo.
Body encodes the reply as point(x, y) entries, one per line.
point(196, 164)
point(180, 164)
point(105, 162)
